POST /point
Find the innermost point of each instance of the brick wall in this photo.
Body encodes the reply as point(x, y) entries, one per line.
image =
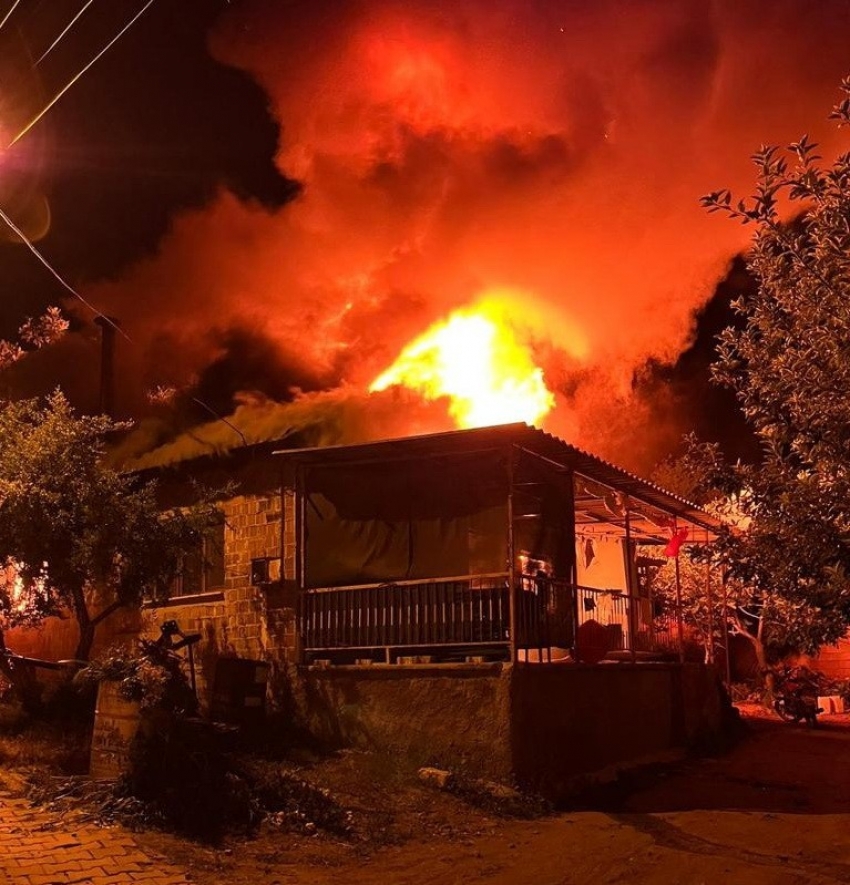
point(832, 660)
point(241, 620)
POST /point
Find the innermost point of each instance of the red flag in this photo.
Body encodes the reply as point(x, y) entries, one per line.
point(675, 543)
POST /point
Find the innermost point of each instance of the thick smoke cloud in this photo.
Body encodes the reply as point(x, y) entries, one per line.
point(553, 149)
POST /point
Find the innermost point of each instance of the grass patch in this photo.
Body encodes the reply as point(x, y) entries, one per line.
point(55, 745)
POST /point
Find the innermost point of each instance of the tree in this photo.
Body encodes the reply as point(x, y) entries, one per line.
point(773, 622)
point(33, 334)
point(76, 534)
point(789, 366)
point(712, 605)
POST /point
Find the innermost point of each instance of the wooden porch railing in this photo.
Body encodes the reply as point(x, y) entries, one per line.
point(472, 614)
point(454, 611)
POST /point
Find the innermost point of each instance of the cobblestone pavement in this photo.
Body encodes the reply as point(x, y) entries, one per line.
point(40, 848)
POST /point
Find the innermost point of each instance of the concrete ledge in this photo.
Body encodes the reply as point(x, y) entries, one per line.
point(408, 669)
point(196, 599)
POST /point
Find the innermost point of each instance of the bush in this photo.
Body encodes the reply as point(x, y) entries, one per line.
point(181, 770)
point(191, 781)
point(153, 676)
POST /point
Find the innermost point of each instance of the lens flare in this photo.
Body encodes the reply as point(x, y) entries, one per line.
point(477, 360)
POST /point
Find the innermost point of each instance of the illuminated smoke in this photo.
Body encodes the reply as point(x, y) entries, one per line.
point(445, 150)
point(335, 417)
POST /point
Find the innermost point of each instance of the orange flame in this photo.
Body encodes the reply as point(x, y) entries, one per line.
point(475, 359)
point(12, 582)
point(20, 597)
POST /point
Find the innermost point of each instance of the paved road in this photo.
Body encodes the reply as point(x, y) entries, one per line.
point(775, 811)
point(40, 848)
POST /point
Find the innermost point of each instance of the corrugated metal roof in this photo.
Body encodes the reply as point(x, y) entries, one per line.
point(533, 439)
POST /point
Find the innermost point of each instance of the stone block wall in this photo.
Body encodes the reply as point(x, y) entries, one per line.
point(241, 620)
point(236, 620)
point(832, 660)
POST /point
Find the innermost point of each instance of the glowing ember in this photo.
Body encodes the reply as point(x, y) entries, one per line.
point(476, 359)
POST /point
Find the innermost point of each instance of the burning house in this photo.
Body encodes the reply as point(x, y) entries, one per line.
point(448, 594)
point(444, 594)
point(450, 578)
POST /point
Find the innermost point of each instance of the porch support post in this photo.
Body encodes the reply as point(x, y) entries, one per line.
point(630, 583)
point(710, 600)
point(679, 623)
point(726, 628)
point(300, 534)
point(298, 515)
point(512, 600)
point(573, 559)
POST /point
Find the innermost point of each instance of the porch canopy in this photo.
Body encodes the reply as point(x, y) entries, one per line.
point(448, 513)
point(434, 506)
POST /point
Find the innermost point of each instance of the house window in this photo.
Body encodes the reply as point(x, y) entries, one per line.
point(203, 569)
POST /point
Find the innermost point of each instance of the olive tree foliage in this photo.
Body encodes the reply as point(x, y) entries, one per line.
point(713, 610)
point(36, 332)
point(777, 554)
point(789, 366)
point(76, 535)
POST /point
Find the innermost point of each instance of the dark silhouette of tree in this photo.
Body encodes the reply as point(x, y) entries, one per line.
point(788, 363)
point(76, 534)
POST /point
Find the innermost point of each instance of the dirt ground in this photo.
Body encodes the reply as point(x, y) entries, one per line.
point(776, 809)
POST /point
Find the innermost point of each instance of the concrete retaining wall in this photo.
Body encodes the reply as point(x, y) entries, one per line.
point(547, 728)
point(571, 724)
point(572, 721)
point(456, 715)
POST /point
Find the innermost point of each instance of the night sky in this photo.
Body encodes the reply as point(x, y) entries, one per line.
point(273, 197)
point(156, 127)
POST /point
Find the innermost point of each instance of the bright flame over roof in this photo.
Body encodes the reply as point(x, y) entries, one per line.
point(476, 359)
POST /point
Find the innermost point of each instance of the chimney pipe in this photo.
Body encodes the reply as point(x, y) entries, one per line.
point(106, 402)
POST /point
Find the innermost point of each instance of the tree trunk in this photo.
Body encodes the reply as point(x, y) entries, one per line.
point(764, 667)
point(84, 622)
point(765, 671)
point(766, 674)
point(88, 625)
point(85, 642)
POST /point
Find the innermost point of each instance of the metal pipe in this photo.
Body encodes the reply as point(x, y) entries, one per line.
point(726, 628)
point(191, 655)
point(511, 561)
point(630, 584)
point(679, 623)
point(573, 563)
point(106, 397)
point(710, 648)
